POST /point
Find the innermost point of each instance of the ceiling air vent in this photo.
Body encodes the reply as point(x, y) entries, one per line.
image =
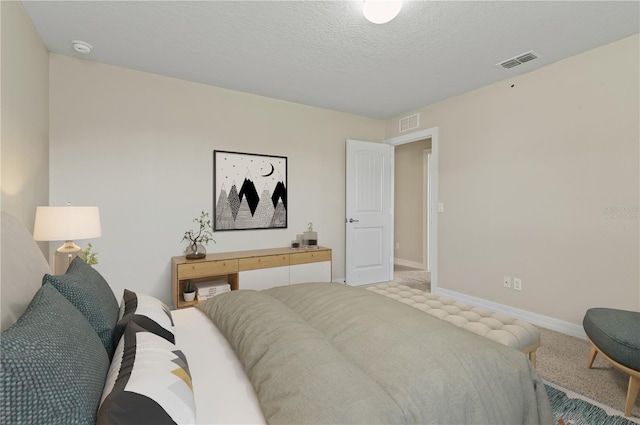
point(518, 60)
point(409, 123)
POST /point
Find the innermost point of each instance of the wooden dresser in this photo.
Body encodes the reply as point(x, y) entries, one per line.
point(255, 269)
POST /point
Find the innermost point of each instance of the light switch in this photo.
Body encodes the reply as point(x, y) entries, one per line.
point(440, 206)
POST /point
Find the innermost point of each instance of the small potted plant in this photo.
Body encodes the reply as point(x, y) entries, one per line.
point(189, 293)
point(88, 255)
point(197, 238)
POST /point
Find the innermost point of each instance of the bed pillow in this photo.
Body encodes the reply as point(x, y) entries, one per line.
point(148, 312)
point(53, 365)
point(148, 382)
point(87, 290)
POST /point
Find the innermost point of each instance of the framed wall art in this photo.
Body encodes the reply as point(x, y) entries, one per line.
point(250, 191)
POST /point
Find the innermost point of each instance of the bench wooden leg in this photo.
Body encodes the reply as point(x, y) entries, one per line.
point(632, 394)
point(530, 352)
point(592, 355)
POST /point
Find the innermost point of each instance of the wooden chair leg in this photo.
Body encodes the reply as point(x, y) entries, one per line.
point(592, 356)
point(532, 358)
point(632, 394)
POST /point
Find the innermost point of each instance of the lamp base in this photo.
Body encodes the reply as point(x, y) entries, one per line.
point(63, 257)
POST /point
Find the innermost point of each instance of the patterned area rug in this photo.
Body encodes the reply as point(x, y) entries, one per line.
point(570, 408)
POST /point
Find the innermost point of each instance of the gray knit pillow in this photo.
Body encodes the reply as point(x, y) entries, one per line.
point(87, 290)
point(53, 365)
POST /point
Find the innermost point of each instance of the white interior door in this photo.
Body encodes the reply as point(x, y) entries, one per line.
point(369, 178)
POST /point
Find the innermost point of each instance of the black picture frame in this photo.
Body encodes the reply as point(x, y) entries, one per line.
point(249, 191)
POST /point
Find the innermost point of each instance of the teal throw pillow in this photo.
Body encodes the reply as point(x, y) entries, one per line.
point(53, 365)
point(87, 290)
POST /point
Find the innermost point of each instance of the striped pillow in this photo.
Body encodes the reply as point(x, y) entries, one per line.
point(148, 312)
point(148, 382)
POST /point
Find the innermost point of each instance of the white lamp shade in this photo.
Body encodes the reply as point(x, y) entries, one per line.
point(66, 223)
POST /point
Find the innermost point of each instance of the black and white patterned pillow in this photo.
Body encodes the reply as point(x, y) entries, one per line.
point(148, 382)
point(53, 365)
point(87, 290)
point(148, 312)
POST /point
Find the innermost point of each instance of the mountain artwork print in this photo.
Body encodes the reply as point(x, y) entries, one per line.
point(250, 191)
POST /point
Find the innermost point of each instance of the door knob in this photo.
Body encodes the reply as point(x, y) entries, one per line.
point(353, 221)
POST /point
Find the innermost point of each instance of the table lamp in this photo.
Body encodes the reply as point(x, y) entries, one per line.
point(66, 224)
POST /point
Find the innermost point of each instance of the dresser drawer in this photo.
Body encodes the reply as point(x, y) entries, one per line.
point(309, 257)
point(265, 262)
point(208, 268)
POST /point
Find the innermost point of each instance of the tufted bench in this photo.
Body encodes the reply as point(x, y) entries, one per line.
point(615, 334)
point(498, 327)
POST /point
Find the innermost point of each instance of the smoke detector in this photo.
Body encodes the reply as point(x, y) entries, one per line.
point(81, 47)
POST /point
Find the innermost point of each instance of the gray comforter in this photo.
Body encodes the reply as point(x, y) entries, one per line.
point(319, 353)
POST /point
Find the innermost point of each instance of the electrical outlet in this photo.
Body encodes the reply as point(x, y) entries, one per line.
point(517, 284)
point(506, 281)
point(397, 245)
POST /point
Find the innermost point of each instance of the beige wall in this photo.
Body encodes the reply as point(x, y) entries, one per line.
point(525, 173)
point(409, 191)
point(140, 146)
point(25, 116)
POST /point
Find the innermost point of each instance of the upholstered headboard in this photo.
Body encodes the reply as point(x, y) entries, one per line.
point(22, 269)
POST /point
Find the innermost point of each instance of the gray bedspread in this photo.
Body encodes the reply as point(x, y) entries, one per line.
point(319, 353)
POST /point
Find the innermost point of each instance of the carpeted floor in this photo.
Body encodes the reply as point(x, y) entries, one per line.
point(418, 279)
point(561, 359)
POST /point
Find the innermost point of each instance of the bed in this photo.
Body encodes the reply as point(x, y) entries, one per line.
point(306, 353)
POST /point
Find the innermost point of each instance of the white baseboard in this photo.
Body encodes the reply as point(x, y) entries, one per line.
point(407, 263)
point(533, 318)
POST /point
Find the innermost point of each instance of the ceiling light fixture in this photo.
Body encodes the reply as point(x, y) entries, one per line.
point(81, 47)
point(381, 11)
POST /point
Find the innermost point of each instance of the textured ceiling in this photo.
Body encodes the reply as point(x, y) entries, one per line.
point(326, 54)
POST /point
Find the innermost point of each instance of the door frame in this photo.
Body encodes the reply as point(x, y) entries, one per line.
point(431, 133)
point(426, 208)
